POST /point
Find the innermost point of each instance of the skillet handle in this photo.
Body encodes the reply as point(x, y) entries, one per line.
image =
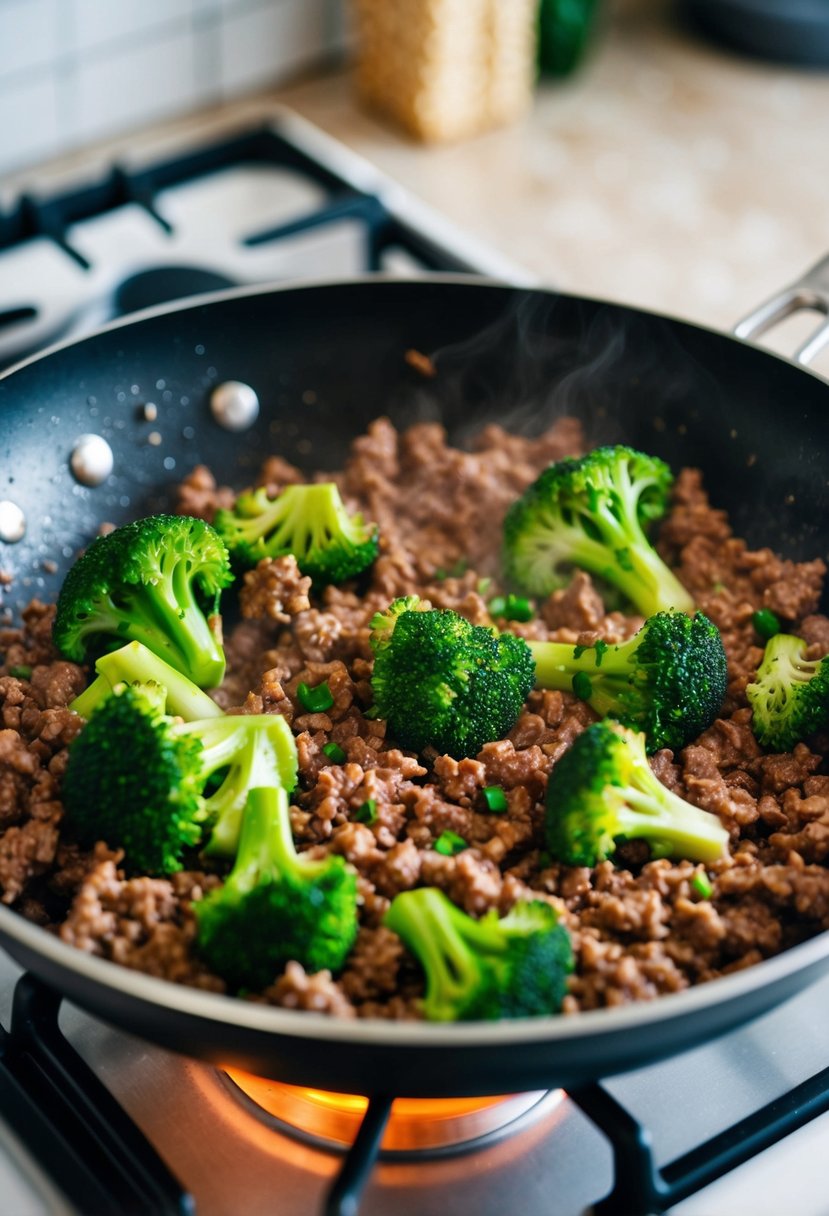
point(809, 291)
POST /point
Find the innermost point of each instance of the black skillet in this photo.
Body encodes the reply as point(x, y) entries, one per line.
point(324, 361)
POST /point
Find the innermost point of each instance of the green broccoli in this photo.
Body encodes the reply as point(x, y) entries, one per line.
point(276, 905)
point(668, 680)
point(790, 696)
point(489, 968)
point(603, 789)
point(140, 584)
point(309, 521)
point(442, 682)
point(138, 779)
point(135, 664)
point(590, 513)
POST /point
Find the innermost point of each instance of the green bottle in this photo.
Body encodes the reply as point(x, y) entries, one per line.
point(564, 28)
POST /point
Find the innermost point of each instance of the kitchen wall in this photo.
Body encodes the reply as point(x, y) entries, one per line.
point(73, 71)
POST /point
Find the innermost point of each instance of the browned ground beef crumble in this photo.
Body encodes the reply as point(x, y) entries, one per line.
point(639, 927)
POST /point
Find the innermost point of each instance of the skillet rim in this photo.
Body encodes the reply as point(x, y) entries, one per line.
point(455, 278)
point(554, 1029)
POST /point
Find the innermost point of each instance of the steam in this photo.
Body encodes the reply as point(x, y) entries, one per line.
point(549, 356)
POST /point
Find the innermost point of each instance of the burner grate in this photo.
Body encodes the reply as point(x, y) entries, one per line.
point(640, 1187)
point(71, 1123)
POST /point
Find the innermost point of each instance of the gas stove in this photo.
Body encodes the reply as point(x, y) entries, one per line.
point(277, 201)
point(94, 1121)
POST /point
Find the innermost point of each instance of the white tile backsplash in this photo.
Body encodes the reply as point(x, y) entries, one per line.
point(256, 44)
point(72, 71)
point(28, 37)
point(133, 86)
point(95, 22)
point(29, 123)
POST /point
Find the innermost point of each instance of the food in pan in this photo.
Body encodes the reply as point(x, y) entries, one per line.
point(790, 697)
point(309, 522)
point(276, 906)
point(508, 967)
point(668, 680)
point(590, 513)
point(153, 785)
point(443, 683)
point(603, 790)
point(719, 859)
point(142, 582)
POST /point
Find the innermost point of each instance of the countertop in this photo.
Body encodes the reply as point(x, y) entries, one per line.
point(668, 173)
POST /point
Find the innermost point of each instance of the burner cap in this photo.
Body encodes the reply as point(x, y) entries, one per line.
point(417, 1126)
point(164, 283)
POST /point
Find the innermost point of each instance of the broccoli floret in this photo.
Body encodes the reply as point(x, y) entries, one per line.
point(276, 904)
point(591, 513)
point(603, 789)
point(140, 583)
point(442, 682)
point(489, 968)
point(789, 698)
point(137, 778)
point(310, 521)
point(135, 664)
point(668, 680)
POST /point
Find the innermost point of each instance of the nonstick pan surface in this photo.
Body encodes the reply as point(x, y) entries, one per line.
point(324, 361)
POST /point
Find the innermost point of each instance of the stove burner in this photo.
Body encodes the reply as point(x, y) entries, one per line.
point(163, 283)
point(417, 1127)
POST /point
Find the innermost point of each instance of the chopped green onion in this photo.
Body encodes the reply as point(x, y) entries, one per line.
point(449, 843)
point(495, 799)
point(766, 622)
point(483, 585)
point(315, 700)
point(582, 686)
point(702, 885)
point(600, 648)
point(23, 672)
point(367, 811)
point(511, 607)
point(334, 752)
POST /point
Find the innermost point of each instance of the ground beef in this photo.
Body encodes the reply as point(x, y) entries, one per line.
point(143, 923)
point(373, 967)
point(199, 494)
point(315, 993)
point(274, 590)
point(640, 927)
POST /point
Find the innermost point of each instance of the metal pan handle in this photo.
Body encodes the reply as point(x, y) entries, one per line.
point(809, 291)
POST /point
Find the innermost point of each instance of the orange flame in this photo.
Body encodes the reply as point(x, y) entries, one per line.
point(414, 1122)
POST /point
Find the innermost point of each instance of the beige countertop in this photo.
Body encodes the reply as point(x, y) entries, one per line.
point(669, 173)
